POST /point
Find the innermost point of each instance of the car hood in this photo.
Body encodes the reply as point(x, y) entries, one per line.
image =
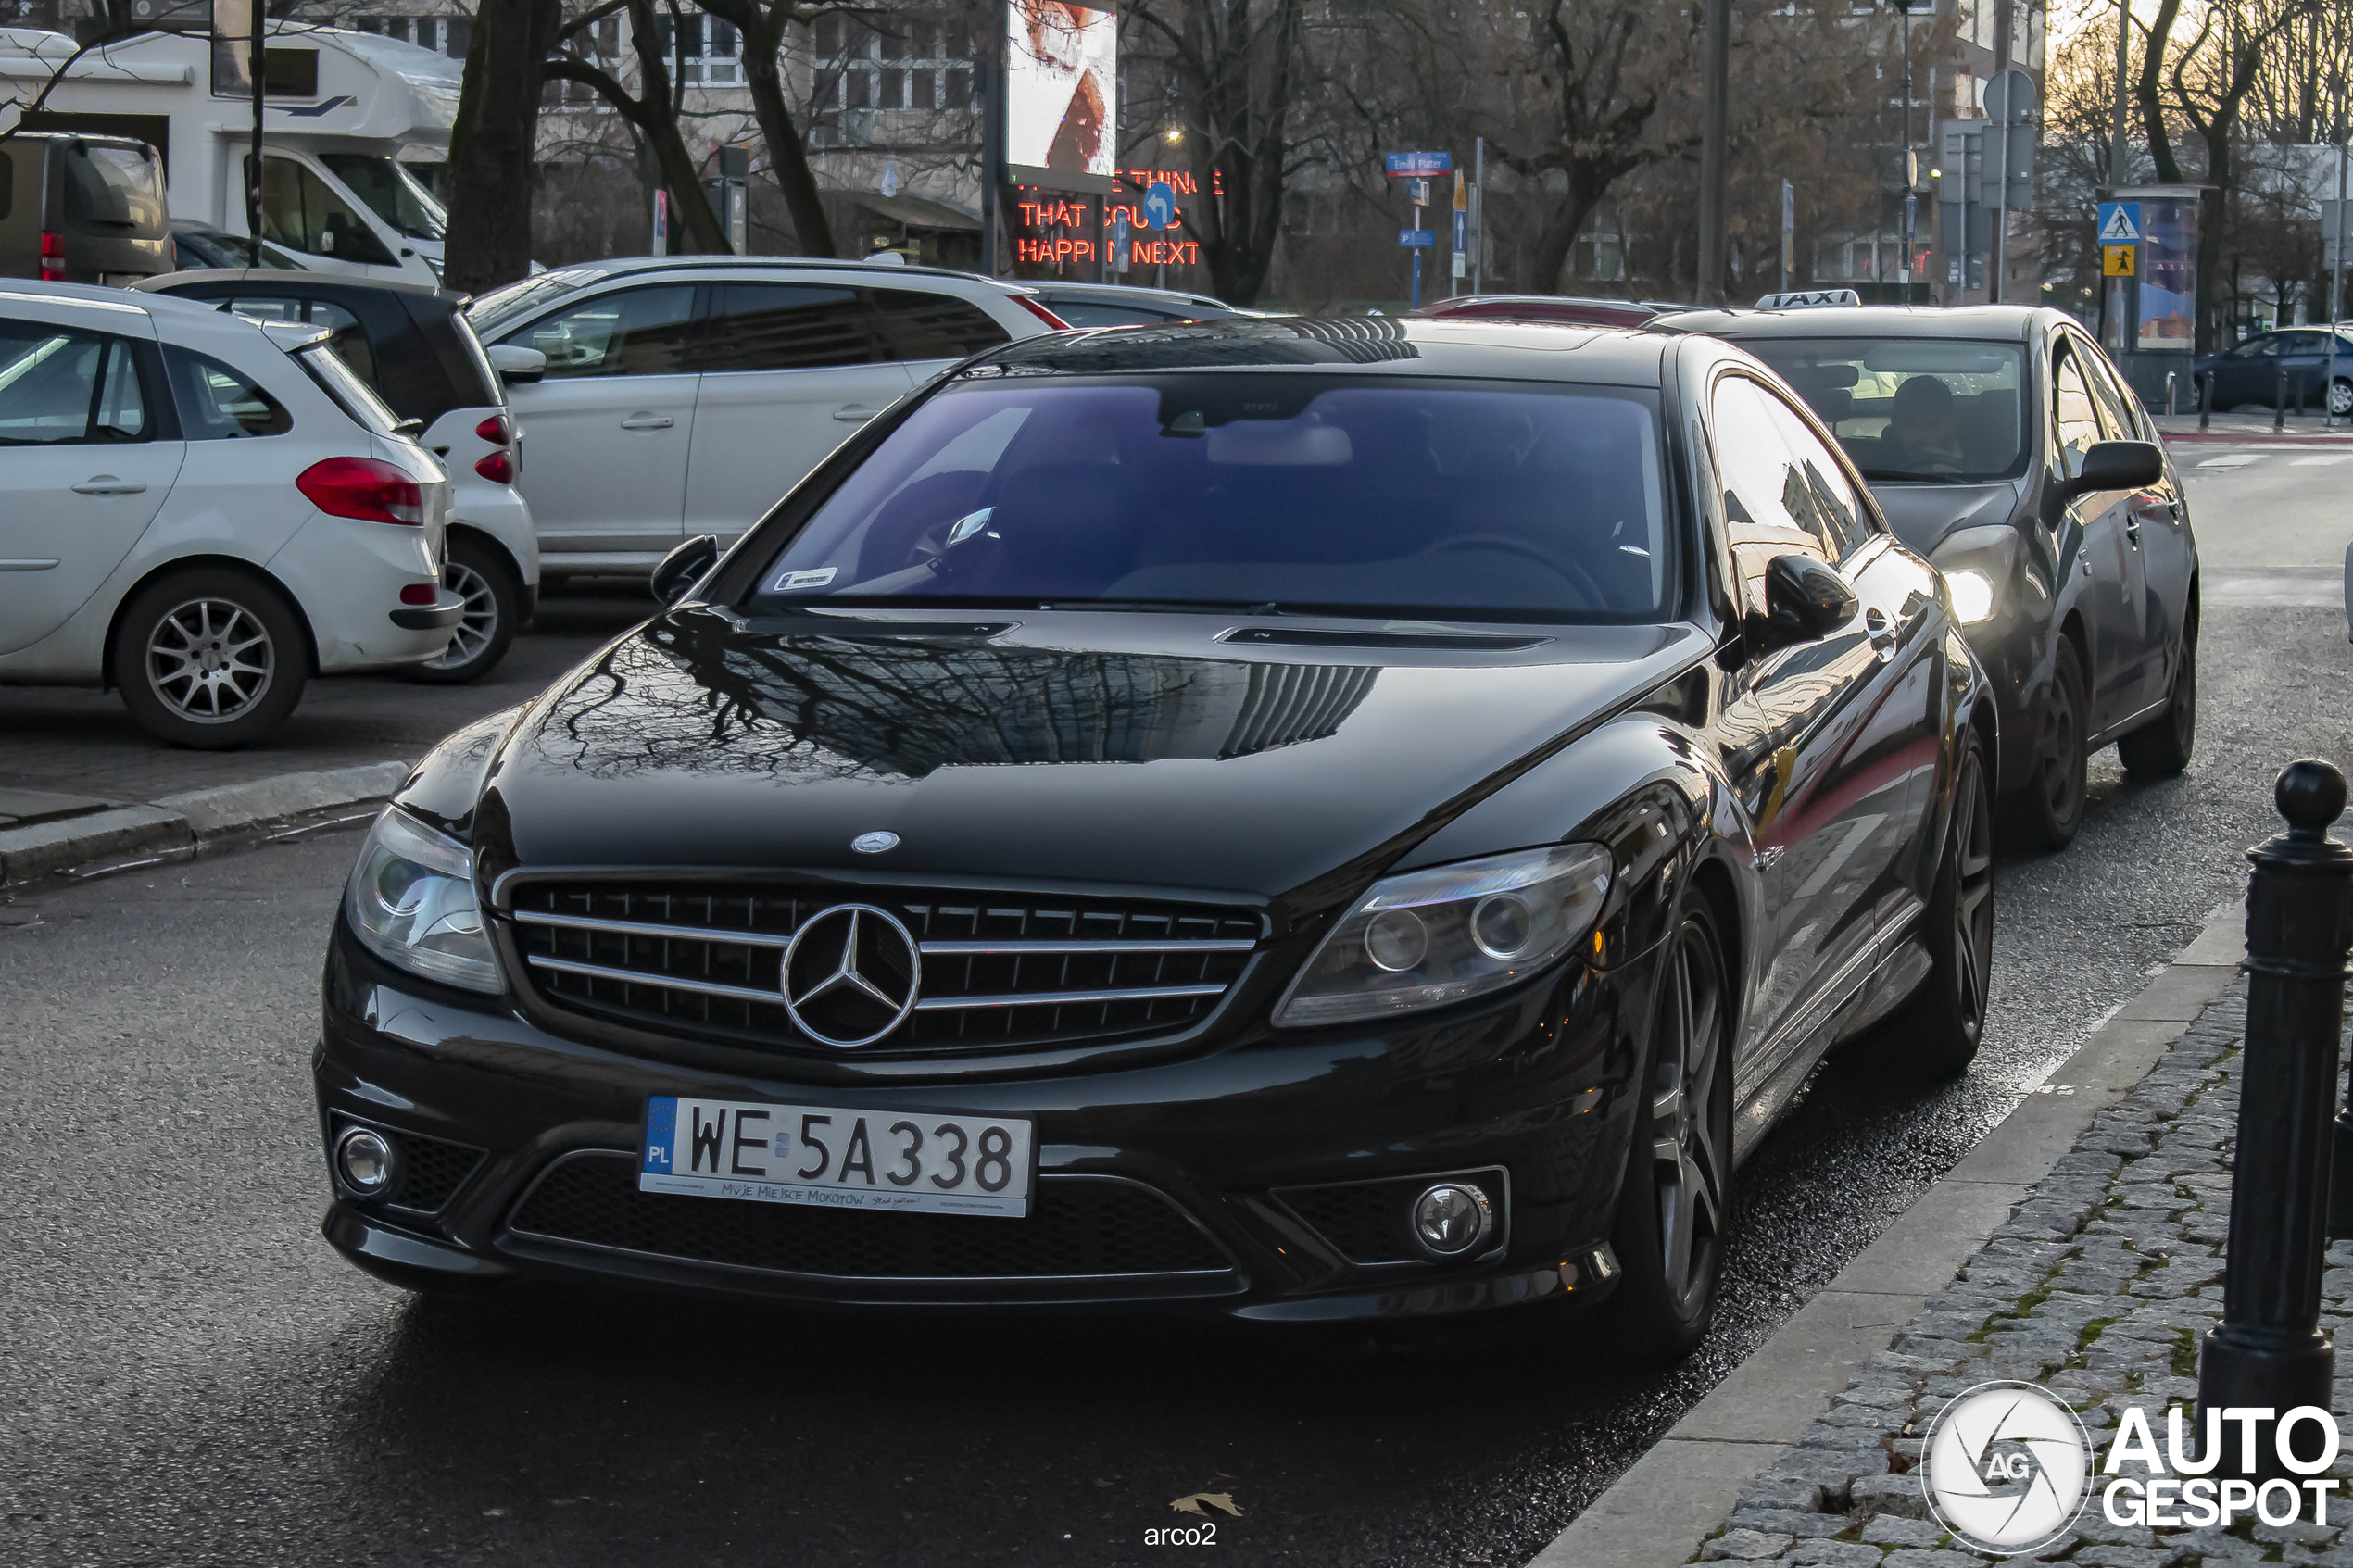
point(1923, 514)
point(1058, 747)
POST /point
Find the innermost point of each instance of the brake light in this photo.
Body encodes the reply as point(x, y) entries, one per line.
point(53, 257)
point(495, 430)
point(1053, 322)
point(498, 468)
point(364, 488)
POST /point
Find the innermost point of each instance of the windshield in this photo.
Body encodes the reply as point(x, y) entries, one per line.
point(391, 192)
point(1921, 408)
point(1446, 499)
point(114, 190)
point(500, 305)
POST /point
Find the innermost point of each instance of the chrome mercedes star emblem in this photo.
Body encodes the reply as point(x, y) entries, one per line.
point(875, 843)
point(851, 975)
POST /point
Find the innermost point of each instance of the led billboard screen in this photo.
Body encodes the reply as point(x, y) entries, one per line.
point(1061, 89)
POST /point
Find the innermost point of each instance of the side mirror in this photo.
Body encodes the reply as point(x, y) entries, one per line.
point(2117, 465)
point(1805, 601)
point(515, 363)
point(679, 570)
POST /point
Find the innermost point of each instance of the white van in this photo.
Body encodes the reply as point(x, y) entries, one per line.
point(339, 110)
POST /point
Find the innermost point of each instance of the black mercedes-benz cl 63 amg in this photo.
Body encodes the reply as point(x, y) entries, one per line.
point(1301, 819)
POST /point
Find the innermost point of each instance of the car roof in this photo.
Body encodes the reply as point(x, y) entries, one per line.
point(324, 284)
point(615, 267)
point(2019, 322)
point(101, 298)
point(1375, 345)
point(1114, 292)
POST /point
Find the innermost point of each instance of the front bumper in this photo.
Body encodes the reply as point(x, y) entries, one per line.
point(1176, 1183)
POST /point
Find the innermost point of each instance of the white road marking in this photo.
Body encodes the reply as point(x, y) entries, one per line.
point(2232, 461)
point(2322, 462)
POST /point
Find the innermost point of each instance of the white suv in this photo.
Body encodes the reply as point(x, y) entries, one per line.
point(685, 395)
point(202, 513)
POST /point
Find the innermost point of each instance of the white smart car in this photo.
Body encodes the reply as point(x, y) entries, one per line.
point(202, 513)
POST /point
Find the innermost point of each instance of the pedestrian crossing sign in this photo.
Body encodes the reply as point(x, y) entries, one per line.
point(2116, 261)
point(2120, 223)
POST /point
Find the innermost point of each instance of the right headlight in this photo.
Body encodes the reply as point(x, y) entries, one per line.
point(412, 903)
point(1444, 934)
point(1973, 595)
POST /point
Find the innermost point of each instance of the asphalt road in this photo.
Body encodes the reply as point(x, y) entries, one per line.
point(191, 1377)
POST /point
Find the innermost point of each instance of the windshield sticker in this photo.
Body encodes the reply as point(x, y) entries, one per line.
point(792, 580)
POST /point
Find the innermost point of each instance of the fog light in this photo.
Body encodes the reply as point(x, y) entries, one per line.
point(1452, 1218)
point(367, 1162)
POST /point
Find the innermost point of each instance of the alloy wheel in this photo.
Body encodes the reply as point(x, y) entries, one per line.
point(209, 661)
point(2062, 764)
point(476, 626)
point(1972, 854)
point(2341, 398)
point(1689, 1159)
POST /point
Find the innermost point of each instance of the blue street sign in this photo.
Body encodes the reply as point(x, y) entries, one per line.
point(1119, 241)
point(2120, 223)
point(1419, 239)
point(1418, 192)
point(1462, 231)
point(1406, 165)
point(1159, 205)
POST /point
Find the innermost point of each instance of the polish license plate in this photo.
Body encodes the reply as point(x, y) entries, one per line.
point(831, 1157)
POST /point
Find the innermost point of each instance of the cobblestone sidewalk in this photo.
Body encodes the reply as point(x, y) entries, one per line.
point(2097, 1288)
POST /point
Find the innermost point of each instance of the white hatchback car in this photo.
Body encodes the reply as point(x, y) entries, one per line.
point(202, 513)
point(685, 395)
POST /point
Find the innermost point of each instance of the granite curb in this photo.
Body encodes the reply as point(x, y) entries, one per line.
point(185, 823)
point(1759, 1419)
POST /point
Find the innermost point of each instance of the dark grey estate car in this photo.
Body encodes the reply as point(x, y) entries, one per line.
point(2002, 445)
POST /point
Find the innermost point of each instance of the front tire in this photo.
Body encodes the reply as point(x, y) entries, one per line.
point(479, 575)
point(1675, 1205)
point(209, 659)
point(2160, 748)
point(1940, 1028)
point(2049, 810)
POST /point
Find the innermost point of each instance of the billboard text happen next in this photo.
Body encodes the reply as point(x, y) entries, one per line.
point(1062, 77)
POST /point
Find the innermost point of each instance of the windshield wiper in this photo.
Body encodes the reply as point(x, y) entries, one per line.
point(1908, 478)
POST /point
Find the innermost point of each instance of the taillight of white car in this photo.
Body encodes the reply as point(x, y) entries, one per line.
point(498, 467)
point(367, 489)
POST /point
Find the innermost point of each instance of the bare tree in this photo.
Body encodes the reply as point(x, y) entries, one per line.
point(495, 136)
point(763, 24)
point(652, 112)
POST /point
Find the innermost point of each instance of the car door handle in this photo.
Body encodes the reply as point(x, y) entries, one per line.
point(647, 421)
point(108, 484)
point(1882, 631)
point(849, 413)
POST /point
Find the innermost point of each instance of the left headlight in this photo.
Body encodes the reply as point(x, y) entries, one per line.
point(1972, 593)
point(1448, 933)
point(411, 902)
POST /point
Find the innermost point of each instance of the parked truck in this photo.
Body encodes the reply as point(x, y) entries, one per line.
point(341, 111)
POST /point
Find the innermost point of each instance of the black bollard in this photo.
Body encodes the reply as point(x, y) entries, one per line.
point(2204, 401)
point(2269, 1350)
point(2279, 401)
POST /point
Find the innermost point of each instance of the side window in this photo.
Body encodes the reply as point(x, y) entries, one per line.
point(1754, 466)
point(918, 324)
point(299, 212)
point(2078, 419)
point(59, 386)
point(1813, 491)
point(219, 403)
point(2115, 403)
point(629, 332)
point(2257, 348)
point(787, 327)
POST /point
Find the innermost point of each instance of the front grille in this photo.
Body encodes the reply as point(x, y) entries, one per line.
point(1365, 1222)
point(1076, 1226)
point(999, 971)
point(432, 1170)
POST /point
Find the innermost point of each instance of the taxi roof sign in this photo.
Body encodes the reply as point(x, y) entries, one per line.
point(1808, 299)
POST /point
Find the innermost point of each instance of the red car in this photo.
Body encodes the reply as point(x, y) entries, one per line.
point(1548, 307)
